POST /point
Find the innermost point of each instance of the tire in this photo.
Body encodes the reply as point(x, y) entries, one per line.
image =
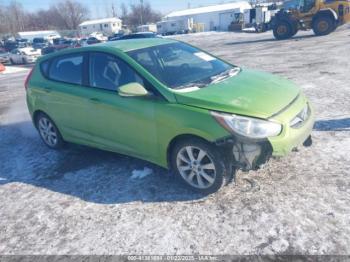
point(24, 61)
point(48, 131)
point(12, 62)
point(283, 30)
point(294, 29)
point(198, 165)
point(323, 25)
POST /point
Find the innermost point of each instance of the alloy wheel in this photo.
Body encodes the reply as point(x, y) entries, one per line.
point(48, 132)
point(196, 167)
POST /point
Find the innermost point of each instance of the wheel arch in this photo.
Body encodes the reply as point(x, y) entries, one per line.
point(326, 12)
point(37, 112)
point(178, 138)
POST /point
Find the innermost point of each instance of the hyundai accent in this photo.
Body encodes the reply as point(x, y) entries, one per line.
point(169, 103)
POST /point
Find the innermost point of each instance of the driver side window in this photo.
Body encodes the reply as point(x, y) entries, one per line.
point(108, 72)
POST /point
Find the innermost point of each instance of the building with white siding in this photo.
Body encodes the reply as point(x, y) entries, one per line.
point(107, 25)
point(214, 17)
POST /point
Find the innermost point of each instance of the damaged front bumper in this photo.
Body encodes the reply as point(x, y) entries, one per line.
point(244, 154)
point(248, 154)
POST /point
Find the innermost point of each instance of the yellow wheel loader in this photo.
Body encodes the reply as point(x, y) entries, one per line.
point(322, 16)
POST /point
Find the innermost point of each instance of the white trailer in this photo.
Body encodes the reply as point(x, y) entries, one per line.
point(30, 35)
point(170, 27)
point(147, 28)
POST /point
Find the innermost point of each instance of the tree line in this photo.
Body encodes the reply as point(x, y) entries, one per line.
point(67, 15)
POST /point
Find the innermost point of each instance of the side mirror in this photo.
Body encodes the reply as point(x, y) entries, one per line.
point(132, 89)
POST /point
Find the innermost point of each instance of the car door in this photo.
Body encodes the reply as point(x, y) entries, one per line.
point(64, 96)
point(126, 125)
point(15, 56)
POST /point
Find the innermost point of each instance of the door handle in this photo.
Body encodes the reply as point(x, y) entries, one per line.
point(94, 100)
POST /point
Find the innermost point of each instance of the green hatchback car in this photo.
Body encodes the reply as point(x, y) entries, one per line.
point(169, 103)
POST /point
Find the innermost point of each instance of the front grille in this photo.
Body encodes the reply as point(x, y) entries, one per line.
point(299, 120)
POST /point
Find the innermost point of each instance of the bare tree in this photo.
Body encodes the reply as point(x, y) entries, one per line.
point(142, 13)
point(72, 13)
point(65, 15)
point(14, 17)
point(3, 23)
point(124, 13)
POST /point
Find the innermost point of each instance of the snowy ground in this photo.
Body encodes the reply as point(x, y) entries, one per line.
point(86, 201)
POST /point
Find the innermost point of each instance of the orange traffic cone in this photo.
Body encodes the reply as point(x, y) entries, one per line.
point(2, 68)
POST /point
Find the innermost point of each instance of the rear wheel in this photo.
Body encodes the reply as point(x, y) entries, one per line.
point(199, 165)
point(283, 30)
point(49, 132)
point(323, 25)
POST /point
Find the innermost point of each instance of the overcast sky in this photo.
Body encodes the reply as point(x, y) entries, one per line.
point(98, 7)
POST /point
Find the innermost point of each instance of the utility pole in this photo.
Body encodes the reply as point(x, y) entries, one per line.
point(141, 1)
point(113, 11)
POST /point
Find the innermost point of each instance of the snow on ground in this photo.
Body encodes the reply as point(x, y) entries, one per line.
point(83, 201)
point(139, 174)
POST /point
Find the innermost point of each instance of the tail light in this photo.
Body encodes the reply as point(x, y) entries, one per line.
point(28, 78)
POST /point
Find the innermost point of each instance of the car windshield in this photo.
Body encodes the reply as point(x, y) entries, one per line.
point(181, 66)
point(38, 40)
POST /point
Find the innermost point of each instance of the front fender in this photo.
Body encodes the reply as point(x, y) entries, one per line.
point(328, 12)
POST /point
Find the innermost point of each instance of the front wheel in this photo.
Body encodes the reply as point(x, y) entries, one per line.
point(199, 165)
point(49, 132)
point(323, 25)
point(283, 30)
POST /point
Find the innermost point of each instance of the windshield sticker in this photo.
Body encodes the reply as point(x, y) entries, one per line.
point(186, 90)
point(204, 56)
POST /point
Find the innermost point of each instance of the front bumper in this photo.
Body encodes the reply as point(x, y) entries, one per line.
point(248, 154)
point(31, 59)
point(4, 60)
point(290, 137)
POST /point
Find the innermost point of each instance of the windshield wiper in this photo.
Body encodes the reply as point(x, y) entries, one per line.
point(211, 80)
point(226, 74)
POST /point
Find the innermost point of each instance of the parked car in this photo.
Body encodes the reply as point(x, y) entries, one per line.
point(59, 44)
point(92, 41)
point(4, 56)
point(24, 55)
point(168, 103)
point(135, 36)
point(98, 35)
point(40, 43)
point(22, 42)
point(117, 35)
point(10, 45)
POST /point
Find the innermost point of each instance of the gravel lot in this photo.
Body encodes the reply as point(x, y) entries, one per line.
point(86, 201)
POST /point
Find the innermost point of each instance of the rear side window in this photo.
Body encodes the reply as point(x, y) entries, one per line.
point(109, 72)
point(44, 66)
point(67, 69)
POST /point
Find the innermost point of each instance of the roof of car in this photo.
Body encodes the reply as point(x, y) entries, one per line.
point(134, 44)
point(123, 45)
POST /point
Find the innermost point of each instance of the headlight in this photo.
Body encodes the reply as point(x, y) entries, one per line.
point(247, 126)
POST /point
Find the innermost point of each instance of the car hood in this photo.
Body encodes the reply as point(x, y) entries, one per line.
point(250, 93)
